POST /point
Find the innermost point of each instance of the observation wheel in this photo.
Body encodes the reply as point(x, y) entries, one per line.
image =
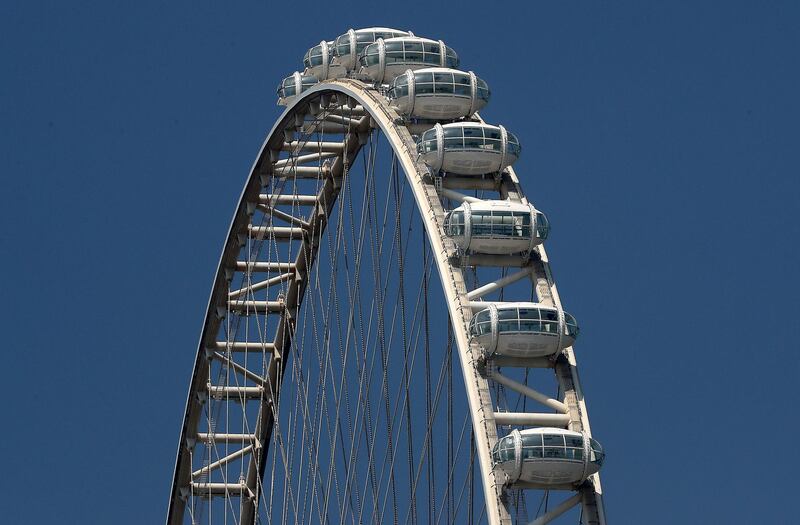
point(384, 341)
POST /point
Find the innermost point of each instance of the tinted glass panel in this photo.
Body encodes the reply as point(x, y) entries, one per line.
point(574, 441)
point(444, 88)
point(553, 439)
point(532, 440)
point(443, 77)
point(550, 315)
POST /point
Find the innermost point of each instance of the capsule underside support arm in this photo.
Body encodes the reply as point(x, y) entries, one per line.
point(557, 511)
point(456, 196)
point(529, 392)
point(500, 283)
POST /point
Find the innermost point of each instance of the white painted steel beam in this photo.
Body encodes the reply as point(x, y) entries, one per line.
point(327, 147)
point(531, 419)
point(206, 437)
point(303, 159)
point(220, 489)
point(222, 461)
point(261, 285)
point(344, 121)
point(529, 392)
point(290, 199)
point(246, 307)
point(557, 511)
point(456, 196)
point(282, 215)
point(500, 283)
point(301, 172)
point(275, 232)
point(239, 346)
point(263, 267)
point(484, 419)
point(235, 392)
point(241, 369)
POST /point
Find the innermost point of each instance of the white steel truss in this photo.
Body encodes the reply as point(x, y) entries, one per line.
point(354, 110)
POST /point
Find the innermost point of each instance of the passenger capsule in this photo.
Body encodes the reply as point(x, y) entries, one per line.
point(349, 45)
point(293, 86)
point(522, 329)
point(547, 456)
point(319, 62)
point(383, 60)
point(468, 148)
point(496, 227)
point(438, 93)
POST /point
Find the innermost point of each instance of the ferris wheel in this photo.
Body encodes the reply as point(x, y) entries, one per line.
point(384, 341)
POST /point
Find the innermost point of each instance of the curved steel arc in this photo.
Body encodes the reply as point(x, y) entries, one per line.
point(379, 115)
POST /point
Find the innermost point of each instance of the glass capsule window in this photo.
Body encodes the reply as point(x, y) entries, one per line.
point(427, 142)
point(399, 87)
point(504, 450)
point(481, 323)
point(287, 88)
point(522, 320)
point(473, 138)
point(370, 56)
point(454, 224)
point(597, 455)
point(483, 90)
point(313, 57)
point(444, 82)
point(342, 45)
point(542, 226)
point(496, 223)
point(552, 446)
point(409, 52)
point(513, 147)
point(571, 325)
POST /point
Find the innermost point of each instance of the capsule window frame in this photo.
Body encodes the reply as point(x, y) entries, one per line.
point(538, 449)
point(527, 323)
point(511, 224)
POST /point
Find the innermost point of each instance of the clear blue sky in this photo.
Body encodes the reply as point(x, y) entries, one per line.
point(660, 137)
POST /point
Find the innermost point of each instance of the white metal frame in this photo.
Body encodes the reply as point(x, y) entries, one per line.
point(570, 411)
